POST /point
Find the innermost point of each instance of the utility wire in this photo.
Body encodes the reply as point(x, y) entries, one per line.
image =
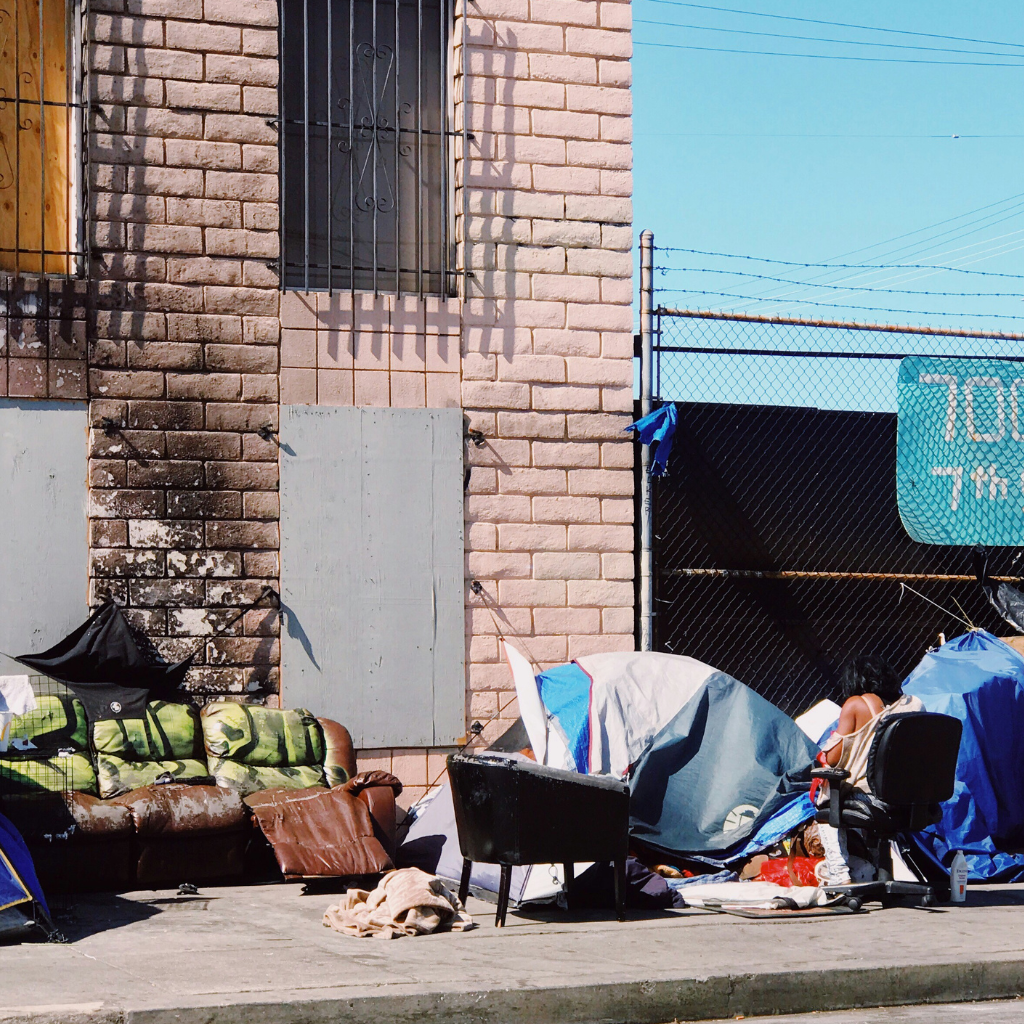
point(833, 56)
point(821, 39)
point(948, 136)
point(836, 24)
point(845, 287)
point(898, 277)
point(928, 227)
point(836, 305)
point(839, 266)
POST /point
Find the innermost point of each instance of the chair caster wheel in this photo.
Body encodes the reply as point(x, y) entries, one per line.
point(854, 903)
point(928, 901)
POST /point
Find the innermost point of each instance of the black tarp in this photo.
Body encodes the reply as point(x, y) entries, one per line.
point(103, 665)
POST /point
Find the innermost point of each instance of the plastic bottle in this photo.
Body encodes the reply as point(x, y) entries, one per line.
point(958, 878)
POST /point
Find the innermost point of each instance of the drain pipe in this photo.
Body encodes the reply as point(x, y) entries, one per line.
point(646, 392)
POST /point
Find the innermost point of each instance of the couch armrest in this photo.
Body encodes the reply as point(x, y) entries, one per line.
point(338, 753)
point(378, 790)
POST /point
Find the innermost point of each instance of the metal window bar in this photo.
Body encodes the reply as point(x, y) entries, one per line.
point(43, 138)
point(363, 141)
point(778, 550)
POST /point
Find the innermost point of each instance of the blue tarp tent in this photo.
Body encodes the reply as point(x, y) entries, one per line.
point(979, 680)
point(21, 898)
point(727, 764)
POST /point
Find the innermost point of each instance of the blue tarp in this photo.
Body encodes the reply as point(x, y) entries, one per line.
point(721, 772)
point(565, 693)
point(979, 680)
point(18, 882)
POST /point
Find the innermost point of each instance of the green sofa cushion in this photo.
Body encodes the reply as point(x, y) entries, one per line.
point(48, 750)
point(71, 772)
point(251, 778)
point(115, 775)
point(169, 732)
point(251, 748)
point(135, 752)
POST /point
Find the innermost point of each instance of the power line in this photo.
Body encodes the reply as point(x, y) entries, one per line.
point(837, 24)
point(838, 266)
point(820, 39)
point(814, 135)
point(832, 56)
point(838, 305)
point(845, 287)
point(928, 227)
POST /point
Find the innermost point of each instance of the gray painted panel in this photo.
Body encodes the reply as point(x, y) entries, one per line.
point(372, 571)
point(43, 553)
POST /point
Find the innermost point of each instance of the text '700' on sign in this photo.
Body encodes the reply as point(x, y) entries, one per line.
point(960, 451)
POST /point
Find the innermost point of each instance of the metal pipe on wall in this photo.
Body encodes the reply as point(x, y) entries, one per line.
point(646, 393)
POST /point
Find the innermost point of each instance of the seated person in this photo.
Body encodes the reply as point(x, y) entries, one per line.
point(871, 692)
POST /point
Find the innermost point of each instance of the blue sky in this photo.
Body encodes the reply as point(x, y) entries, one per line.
point(805, 159)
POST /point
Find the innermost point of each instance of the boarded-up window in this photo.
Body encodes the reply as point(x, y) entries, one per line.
point(372, 571)
point(42, 524)
point(40, 124)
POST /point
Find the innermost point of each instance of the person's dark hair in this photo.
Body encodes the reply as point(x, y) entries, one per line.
point(870, 673)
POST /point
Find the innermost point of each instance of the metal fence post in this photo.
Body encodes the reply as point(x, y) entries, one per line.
point(646, 392)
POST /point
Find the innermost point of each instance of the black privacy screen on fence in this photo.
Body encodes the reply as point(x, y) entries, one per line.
point(778, 548)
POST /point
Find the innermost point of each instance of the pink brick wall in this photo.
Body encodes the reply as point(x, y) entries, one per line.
point(191, 346)
point(546, 345)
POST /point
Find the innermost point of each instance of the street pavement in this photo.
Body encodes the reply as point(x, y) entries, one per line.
point(261, 955)
point(1004, 1012)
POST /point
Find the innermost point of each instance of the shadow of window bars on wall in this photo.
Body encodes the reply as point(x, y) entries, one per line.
point(41, 124)
point(364, 172)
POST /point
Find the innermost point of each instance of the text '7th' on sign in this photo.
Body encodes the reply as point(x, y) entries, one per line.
point(960, 450)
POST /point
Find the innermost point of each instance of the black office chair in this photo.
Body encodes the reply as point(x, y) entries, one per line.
point(911, 770)
point(512, 812)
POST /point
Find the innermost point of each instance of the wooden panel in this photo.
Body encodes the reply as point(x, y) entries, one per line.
point(372, 571)
point(36, 199)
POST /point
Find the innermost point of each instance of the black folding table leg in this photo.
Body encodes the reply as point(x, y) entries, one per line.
point(505, 887)
point(570, 877)
point(620, 890)
point(467, 870)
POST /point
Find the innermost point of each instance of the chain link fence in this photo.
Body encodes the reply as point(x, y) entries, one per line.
point(777, 545)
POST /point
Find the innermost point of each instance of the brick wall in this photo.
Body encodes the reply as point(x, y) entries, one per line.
point(546, 343)
point(192, 346)
point(184, 332)
point(42, 338)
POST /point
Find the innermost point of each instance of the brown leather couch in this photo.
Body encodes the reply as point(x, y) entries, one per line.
point(184, 799)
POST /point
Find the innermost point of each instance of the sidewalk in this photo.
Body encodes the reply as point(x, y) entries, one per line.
point(259, 955)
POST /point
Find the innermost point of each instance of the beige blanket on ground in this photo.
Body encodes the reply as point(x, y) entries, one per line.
point(405, 902)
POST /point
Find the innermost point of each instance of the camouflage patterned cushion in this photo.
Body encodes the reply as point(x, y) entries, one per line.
point(252, 748)
point(52, 774)
point(48, 750)
point(115, 775)
point(135, 752)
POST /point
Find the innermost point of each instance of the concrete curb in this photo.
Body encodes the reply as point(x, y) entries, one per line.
point(645, 1002)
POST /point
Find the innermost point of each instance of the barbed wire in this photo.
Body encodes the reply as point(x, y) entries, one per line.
point(839, 287)
point(837, 266)
point(837, 305)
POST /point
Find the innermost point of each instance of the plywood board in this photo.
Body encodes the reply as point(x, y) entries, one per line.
point(372, 571)
point(43, 552)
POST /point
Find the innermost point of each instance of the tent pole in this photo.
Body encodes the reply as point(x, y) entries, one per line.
point(646, 392)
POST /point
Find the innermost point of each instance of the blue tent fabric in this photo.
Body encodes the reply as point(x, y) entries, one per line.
point(979, 680)
point(18, 882)
point(724, 767)
point(565, 693)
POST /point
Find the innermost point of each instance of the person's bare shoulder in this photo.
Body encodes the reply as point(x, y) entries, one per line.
point(855, 712)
